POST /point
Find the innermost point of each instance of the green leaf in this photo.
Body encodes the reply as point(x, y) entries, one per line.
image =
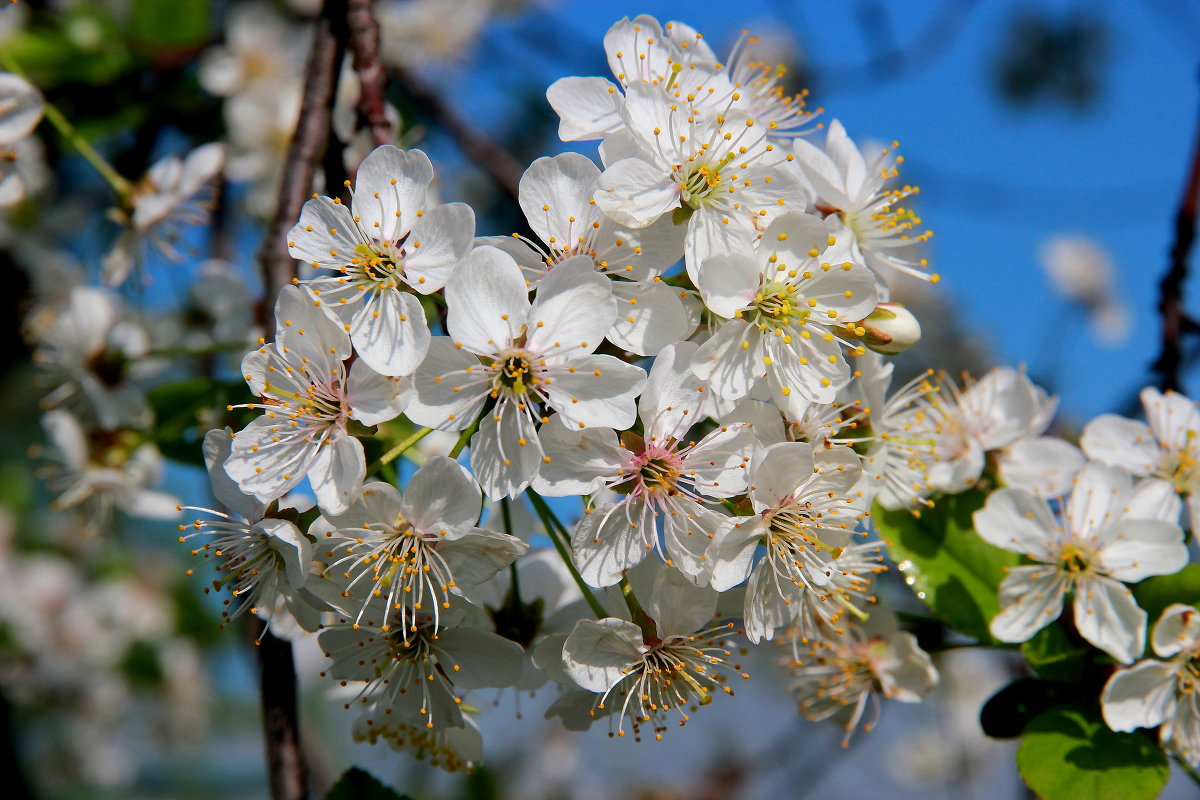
point(176, 25)
point(1070, 754)
point(1053, 655)
point(358, 784)
point(1155, 594)
point(956, 573)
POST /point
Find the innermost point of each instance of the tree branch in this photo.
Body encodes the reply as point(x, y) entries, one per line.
point(307, 148)
point(364, 47)
point(286, 769)
point(1170, 290)
point(481, 149)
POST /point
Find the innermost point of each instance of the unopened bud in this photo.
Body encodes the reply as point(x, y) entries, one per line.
point(890, 329)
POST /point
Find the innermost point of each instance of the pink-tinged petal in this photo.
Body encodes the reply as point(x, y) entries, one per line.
point(1017, 520)
point(442, 498)
point(600, 392)
point(440, 241)
point(776, 472)
point(1030, 599)
point(1177, 629)
point(390, 188)
point(612, 539)
point(588, 108)
point(578, 462)
point(487, 300)
point(337, 472)
point(1108, 616)
point(1121, 442)
point(674, 398)
point(1139, 697)
point(505, 452)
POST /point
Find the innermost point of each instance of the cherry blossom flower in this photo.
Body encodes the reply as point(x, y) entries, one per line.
point(1166, 446)
point(1110, 531)
point(417, 549)
point(308, 398)
point(20, 112)
point(789, 303)
point(660, 477)
point(884, 233)
point(807, 510)
point(650, 676)
point(525, 357)
point(386, 246)
point(1162, 694)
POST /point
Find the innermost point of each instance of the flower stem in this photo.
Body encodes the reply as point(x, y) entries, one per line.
point(463, 439)
point(640, 617)
point(506, 516)
point(398, 450)
point(558, 533)
point(118, 182)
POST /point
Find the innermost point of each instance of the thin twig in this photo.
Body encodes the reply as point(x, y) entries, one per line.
point(480, 149)
point(1170, 291)
point(372, 79)
point(307, 148)
point(286, 769)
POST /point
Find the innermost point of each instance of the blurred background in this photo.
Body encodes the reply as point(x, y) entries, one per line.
point(1050, 141)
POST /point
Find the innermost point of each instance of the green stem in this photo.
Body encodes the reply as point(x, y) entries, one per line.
point(119, 184)
point(398, 450)
point(555, 530)
point(463, 439)
point(640, 617)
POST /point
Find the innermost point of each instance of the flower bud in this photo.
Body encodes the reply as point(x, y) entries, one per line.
point(890, 329)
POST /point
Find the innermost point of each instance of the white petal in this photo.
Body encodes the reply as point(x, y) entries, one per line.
point(674, 398)
point(573, 310)
point(442, 497)
point(597, 652)
point(477, 557)
point(1139, 548)
point(1030, 599)
point(635, 192)
point(440, 241)
point(1017, 520)
point(588, 108)
point(337, 472)
point(600, 392)
point(487, 301)
point(505, 451)
point(293, 548)
point(1043, 465)
point(1139, 697)
point(728, 282)
point(1107, 616)
point(611, 539)
point(679, 607)
point(217, 448)
point(391, 187)
point(447, 393)
point(375, 398)
point(555, 195)
point(777, 471)
point(650, 316)
point(577, 462)
point(732, 360)
point(1177, 629)
point(479, 659)
point(1122, 443)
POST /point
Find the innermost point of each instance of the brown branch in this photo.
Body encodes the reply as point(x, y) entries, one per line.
point(372, 79)
point(307, 149)
point(482, 150)
point(1170, 292)
point(286, 769)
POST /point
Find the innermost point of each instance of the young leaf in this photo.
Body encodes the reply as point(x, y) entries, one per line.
point(945, 562)
point(1070, 754)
